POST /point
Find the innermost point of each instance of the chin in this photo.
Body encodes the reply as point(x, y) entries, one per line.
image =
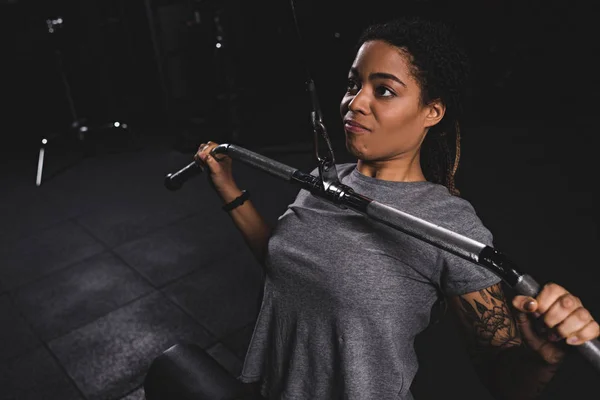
point(352, 149)
point(357, 149)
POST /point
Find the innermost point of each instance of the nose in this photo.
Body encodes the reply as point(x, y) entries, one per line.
point(359, 103)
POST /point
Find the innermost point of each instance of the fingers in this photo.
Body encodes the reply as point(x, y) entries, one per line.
point(550, 293)
point(562, 312)
point(590, 331)
point(578, 327)
point(562, 308)
point(204, 149)
point(199, 152)
point(524, 304)
point(203, 154)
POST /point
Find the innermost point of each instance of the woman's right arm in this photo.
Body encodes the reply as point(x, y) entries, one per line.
point(246, 218)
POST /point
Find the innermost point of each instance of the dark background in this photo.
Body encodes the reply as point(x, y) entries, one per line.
point(155, 63)
point(529, 146)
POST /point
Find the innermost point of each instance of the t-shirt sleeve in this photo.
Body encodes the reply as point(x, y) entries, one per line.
point(460, 276)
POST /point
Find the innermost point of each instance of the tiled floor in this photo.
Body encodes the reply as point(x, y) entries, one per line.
point(102, 268)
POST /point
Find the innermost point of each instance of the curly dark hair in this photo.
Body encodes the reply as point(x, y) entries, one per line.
point(441, 68)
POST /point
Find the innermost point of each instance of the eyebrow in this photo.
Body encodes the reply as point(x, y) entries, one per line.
point(380, 75)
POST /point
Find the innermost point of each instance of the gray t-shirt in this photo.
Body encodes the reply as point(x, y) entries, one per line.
point(345, 296)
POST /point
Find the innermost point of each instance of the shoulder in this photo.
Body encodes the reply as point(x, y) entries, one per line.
point(453, 209)
point(455, 213)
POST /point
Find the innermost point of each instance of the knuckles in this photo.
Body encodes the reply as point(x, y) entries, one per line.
point(553, 288)
point(596, 330)
point(582, 315)
point(590, 331)
point(569, 301)
point(578, 319)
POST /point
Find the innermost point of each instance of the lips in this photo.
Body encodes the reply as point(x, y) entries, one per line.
point(353, 125)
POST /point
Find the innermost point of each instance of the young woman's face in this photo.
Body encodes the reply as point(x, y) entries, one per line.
point(381, 109)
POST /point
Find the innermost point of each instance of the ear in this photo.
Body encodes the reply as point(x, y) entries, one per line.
point(434, 112)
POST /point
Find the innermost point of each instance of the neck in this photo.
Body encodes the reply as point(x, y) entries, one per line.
point(407, 169)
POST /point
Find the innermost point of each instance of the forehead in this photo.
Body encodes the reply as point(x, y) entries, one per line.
point(380, 56)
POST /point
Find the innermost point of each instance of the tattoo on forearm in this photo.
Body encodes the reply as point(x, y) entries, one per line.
point(507, 367)
point(492, 322)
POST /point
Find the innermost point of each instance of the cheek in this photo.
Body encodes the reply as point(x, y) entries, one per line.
point(399, 127)
point(395, 132)
point(392, 119)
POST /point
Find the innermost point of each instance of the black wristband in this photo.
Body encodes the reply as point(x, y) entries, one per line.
point(238, 201)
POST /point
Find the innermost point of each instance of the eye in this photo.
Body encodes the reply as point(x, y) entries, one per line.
point(352, 86)
point(383, 91)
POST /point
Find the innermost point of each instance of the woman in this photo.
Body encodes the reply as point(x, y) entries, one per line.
point(344, 296)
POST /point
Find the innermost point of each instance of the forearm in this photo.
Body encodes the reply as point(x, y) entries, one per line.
point(517, 373)
point(249, 222)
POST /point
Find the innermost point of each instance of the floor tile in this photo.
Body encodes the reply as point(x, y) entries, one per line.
point(224, 296)
point(128, 198)
point(26, 210)
point(50, 250)
point(79, 294)
point(123, 222)
point(16, 337)
point(181, 248)
point(35, 376)
point(109, 357)
point(136, 395)
point(94, 180)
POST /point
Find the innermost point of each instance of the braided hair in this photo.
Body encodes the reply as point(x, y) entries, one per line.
point(440, 67)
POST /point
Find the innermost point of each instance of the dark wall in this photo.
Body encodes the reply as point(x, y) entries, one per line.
point(158, 65)
point(106, 56)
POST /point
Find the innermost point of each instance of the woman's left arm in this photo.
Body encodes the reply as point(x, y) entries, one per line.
point(514, 358)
